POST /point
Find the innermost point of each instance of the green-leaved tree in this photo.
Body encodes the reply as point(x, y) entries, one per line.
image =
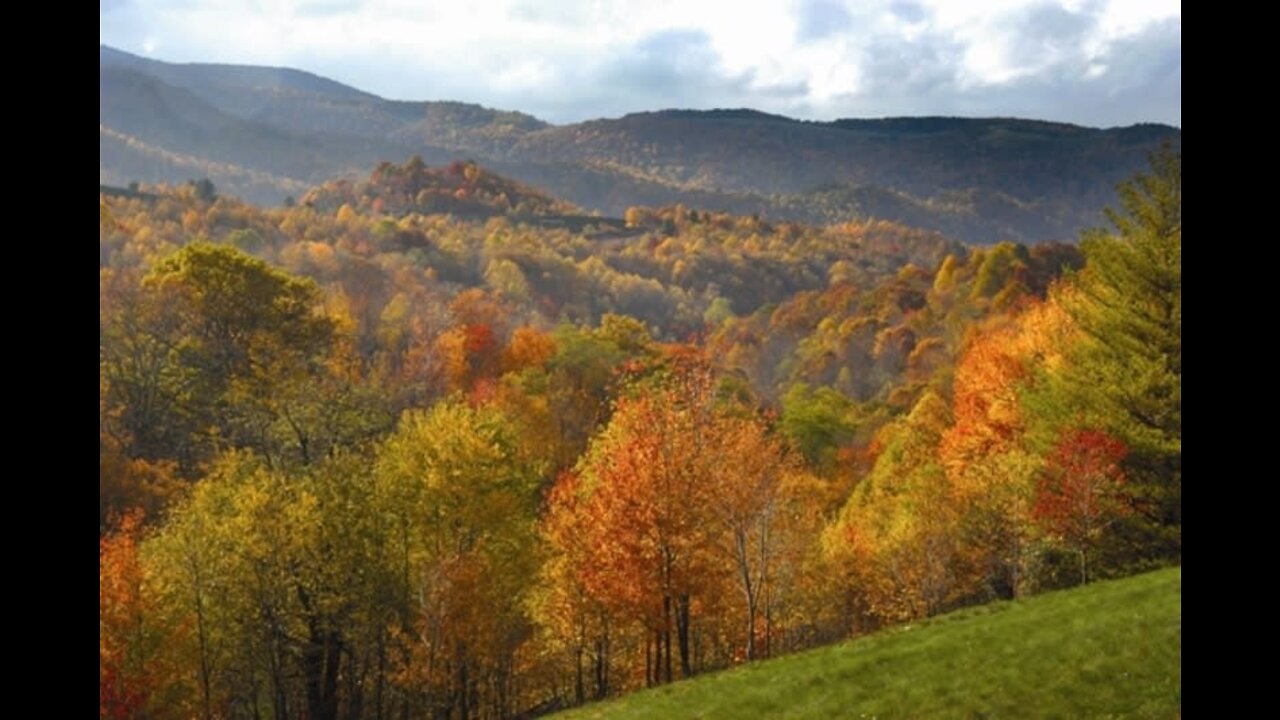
point(1126, 374)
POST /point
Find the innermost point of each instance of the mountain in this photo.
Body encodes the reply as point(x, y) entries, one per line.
point(270, 132)
point(460, 189)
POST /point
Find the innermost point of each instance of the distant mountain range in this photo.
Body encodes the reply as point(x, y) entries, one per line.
point(268, 133)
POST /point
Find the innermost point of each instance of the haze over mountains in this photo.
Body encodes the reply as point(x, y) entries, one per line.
point(267, 133)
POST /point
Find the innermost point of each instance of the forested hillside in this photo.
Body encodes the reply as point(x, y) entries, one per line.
point(268, 133)
point(432, 443)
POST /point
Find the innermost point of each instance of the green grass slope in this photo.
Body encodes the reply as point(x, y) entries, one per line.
point(1112, 649)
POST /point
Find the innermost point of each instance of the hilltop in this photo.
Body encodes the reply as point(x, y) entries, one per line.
point(267, 133)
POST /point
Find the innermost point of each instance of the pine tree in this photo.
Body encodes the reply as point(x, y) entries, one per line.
point(1127, 372)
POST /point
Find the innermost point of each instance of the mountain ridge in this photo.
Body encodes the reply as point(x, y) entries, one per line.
point(979, 179)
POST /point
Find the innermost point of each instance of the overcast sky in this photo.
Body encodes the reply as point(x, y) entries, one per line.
point(1093, 62)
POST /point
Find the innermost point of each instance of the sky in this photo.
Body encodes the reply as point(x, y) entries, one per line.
point(1092, 62)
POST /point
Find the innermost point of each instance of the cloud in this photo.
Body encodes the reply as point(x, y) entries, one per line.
point(1130, 79)
point(565, 12)
point(909, 12)
point(822, 18)
point(916, 68)
point(674, 67)
point(321, 8)
point(665, 69)
point(1045, 34)
point(1088, 61)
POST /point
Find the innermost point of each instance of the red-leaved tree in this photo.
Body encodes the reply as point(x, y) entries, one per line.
point(1080, 492)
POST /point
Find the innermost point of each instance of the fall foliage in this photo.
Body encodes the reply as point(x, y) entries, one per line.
point(386, 453)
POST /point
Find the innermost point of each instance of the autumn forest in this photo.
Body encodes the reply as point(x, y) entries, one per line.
point(433, 443)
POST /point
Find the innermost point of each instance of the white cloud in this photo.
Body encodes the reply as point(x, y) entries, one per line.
point(1090, 61)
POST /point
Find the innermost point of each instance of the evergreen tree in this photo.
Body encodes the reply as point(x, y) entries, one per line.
point(1127, 371)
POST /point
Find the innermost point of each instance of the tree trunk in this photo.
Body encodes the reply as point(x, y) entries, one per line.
point(665, 646)
point(320, 660)
point(749, 592)
point(650, 668)
point(768, 627)
point(682, 630)
point(464, 692)
point(379, 685)
point(579, 690)
point(602, 667)
point(205, 671)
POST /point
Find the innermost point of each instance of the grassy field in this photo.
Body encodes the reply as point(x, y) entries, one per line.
point(1112, 649)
